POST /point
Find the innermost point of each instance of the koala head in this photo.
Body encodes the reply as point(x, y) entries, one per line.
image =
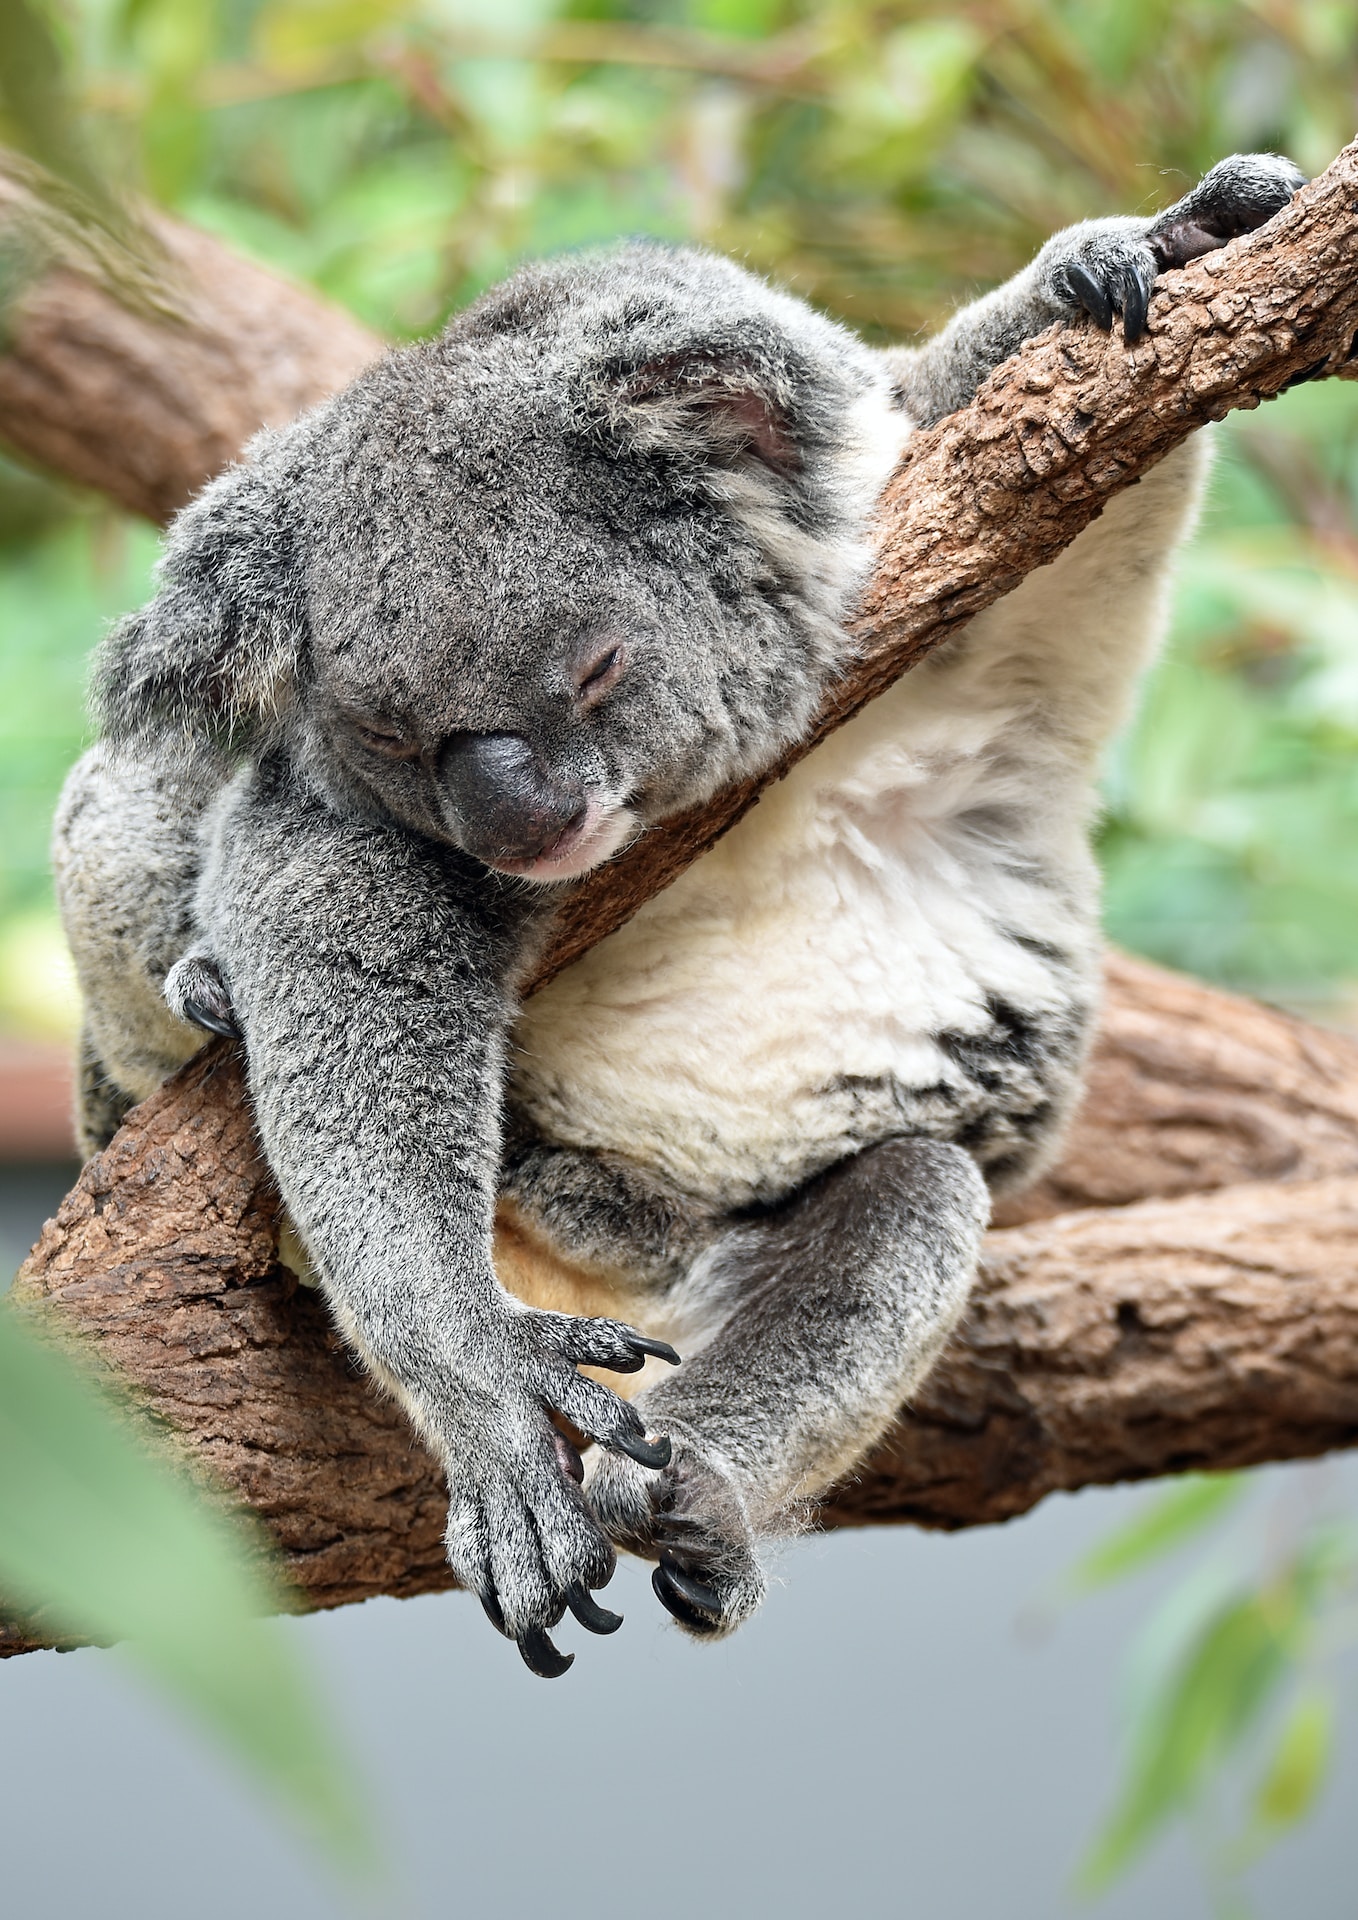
point(562, 571)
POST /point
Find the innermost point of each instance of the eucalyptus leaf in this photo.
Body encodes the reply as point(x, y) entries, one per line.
point(102, 1539)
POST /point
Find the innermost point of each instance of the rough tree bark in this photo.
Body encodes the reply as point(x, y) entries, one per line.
point(1157, 1322)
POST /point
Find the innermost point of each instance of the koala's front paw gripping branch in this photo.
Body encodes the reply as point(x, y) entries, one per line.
point(1180, 1290)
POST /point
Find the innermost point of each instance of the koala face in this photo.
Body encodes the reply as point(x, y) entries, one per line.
point(555, 575)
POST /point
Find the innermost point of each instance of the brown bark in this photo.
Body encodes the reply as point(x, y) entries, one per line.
point(1122, 1340)
point(146, 407)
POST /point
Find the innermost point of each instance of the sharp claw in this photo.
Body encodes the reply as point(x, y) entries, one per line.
point(1136, 299)
point(672, 1598)
point(541, 1657)
point(647, 1453)
point(202, 1016)
point(592, 1617)
point(658, 1349)
point(490, 1606)
point(696, 1592)
point(1090, 295)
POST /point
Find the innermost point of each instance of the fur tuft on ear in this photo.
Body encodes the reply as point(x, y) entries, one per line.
point(707, 408)
point(215, 655)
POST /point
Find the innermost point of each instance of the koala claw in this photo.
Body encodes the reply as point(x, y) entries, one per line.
point(647, 1453)
point(692, 1602)
point(195, 991)
point(658, 1349)
point(1091, 296)
point(1136, 300)
point(592, 1617)
point(541, 1657)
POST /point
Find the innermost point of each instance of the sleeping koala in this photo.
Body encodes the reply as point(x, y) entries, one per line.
point(452, 640)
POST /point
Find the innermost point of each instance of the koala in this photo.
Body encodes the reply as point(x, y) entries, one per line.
point(451, 641)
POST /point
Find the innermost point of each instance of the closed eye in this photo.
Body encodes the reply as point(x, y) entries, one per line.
point(603, 671)
point(386, 741)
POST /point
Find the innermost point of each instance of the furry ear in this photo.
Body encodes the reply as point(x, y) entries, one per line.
point(216, 653)
point(709, 408)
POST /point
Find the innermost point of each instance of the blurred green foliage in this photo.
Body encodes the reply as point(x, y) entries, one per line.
point(888, 158)
point(106, 1540)
point(1229, 1692)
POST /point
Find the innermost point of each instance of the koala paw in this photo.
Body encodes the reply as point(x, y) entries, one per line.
point(520, 1534)
point(689, 1518)
point(1109, 267)
point(195, 992)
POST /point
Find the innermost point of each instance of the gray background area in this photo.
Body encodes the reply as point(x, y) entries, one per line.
point(894, 1735)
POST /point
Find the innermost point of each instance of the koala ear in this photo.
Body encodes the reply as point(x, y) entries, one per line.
point(216, 653)
point(707, 407)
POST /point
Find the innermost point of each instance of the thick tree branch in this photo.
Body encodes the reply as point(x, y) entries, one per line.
point(1210, 1329)
point(1123, 1340)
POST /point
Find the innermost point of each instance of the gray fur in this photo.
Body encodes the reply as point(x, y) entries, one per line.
point(516, 594)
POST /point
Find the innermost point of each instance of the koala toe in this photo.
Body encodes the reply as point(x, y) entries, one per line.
point(691, 1519)
point(1105, 269)
point(530, 1553)
point(196, 993)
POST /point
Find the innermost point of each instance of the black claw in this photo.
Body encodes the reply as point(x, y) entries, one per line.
point(658, 1349)
point(593, 1617)
point(1136, 299)
point(647, 1453)
point(672, 1598)
point(696, 1592)
point(1090, 295)
point(541, 1657)
point(202, 1016)
point(490, 1606)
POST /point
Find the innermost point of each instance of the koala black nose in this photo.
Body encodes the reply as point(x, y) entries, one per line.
point(501, 804)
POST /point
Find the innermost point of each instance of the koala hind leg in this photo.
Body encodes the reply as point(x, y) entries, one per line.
point(829, 1310)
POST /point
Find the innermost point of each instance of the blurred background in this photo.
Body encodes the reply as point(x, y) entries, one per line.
point(887, 161)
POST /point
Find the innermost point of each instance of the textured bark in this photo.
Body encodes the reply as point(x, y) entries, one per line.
point(146, 407)
point(1133, 1336)
point(1110, 1343)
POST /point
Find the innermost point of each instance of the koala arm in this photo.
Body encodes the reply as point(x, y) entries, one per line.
point(367, 970)
point(1102, 267)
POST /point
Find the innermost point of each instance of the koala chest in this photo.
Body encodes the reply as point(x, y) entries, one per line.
point(858, 958)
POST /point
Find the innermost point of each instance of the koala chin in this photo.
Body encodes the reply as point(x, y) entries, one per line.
point(456, 637)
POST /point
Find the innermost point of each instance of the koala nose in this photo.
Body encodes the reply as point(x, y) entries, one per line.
point(499, 801)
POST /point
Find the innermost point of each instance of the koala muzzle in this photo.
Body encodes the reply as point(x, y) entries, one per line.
point(498, 801)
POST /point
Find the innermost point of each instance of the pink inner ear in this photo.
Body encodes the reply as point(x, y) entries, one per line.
point(760, 429)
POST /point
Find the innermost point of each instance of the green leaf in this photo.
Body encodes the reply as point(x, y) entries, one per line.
point(105, 1540)
point(1300, 1760)
point(1186, 1730)
point(1193, 1504)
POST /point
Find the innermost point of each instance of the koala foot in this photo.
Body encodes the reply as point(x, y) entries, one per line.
point(1107, 267)
point(691, 1519)
point(195, 992)
point(520, 1533)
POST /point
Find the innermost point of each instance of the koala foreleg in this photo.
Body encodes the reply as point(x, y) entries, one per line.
point(1103, 267)
point(829, 1311)
point(367, 971)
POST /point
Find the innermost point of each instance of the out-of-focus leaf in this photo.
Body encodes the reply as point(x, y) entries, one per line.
point(35, 102)
point(106, 1541)
point(1196, 1502)
point(1297, 1769)
point(1213, 1698)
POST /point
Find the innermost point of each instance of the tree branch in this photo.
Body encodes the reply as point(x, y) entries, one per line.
point(1127, 1339)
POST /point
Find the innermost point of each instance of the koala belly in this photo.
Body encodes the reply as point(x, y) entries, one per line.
point(861, 957)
